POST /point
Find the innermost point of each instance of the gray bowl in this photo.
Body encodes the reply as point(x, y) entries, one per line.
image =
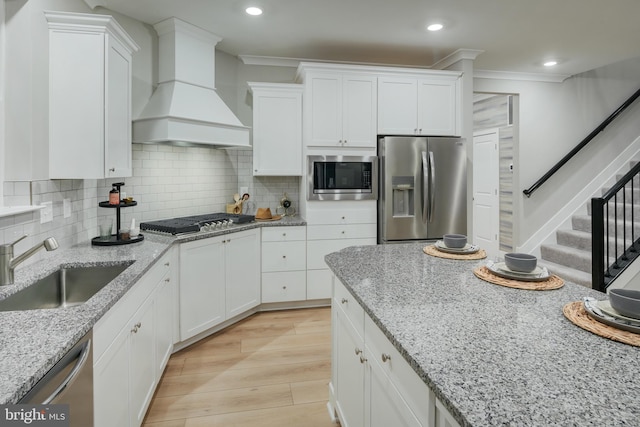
point(625, 302)
point(525, 263)
point(454, 241)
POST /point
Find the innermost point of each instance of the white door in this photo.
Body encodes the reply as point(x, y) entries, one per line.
point(486, 207)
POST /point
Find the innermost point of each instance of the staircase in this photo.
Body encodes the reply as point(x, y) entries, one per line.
point(570, 256)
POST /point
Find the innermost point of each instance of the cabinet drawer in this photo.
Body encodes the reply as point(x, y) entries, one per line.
point(414, 391)
point(344, 301)
point(348, 212)
point(283, 256)
point(319, 284)
point(283, 234)
point(317, 249)
point(284, 286)
point(349, 231)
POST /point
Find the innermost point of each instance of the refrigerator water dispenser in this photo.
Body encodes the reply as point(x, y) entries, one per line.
point(403, 196)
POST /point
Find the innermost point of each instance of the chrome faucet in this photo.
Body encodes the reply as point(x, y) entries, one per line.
point(8, 263)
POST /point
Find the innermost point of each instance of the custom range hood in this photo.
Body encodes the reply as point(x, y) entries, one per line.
point(185, 108)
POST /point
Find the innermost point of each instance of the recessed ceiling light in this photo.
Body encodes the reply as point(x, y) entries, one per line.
point(435, 27)
point(255, 11)
point(550, 63)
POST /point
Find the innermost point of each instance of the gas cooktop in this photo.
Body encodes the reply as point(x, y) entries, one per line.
point(193, 224)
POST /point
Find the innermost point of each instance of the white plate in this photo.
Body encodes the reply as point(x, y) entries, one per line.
point(605, 307)
point(591, 306)
point(535, 273)
point(500, 269)
point(467, 249)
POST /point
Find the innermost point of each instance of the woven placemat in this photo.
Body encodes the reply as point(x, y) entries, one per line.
point(575, 312)
point(553, 282)
point(433, 251)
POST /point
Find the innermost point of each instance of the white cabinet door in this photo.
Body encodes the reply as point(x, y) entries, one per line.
point(350, 371)
point(438, 107)
point(325, 112)
point(202, 285)
point(397, 106)
point(242, 254)
point(384, 405)
point(142, 371)
point(89, 96)
point(277, 129)
point(444, 417)
point(117, 148)
point(283, 256)
point(164, 322)
point(359, 112)
point(342, 110)
point(111, 384)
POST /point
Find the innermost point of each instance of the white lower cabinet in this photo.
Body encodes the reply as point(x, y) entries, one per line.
point(284, 264)
point(372, 385)
point(219, 278)
point(131, 343)
point(334, 226)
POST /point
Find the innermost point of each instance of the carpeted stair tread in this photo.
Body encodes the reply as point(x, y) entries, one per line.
point(564, 255)
point(568, 274)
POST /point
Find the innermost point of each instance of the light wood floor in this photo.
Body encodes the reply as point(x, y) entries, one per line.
point(271, 369)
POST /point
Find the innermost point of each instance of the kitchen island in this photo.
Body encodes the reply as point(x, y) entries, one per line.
point(493, 356)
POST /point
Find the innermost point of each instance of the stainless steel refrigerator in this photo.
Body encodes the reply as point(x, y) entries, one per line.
point(422, 188)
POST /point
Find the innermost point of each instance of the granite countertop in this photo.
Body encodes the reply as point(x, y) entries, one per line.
point(494, 356)
point(32, 341)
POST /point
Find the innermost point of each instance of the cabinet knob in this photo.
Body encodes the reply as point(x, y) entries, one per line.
point(168, 279)
point(112, 169)
point(344, 300)
point(284, 256)
point(362, 359)
point(167, 264)
point(358, 351)
point(342, 217)
point(284, 287)
point(284, 234)
point(385, 357)
point(342, 231)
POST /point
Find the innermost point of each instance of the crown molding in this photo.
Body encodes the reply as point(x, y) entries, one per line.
point(456, 56)
point(95, 3)
point(511, 75)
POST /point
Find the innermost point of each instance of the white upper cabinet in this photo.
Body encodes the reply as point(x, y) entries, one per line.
point(277, 129)
point(89, 96)
point(425, 105)
point(340, 108)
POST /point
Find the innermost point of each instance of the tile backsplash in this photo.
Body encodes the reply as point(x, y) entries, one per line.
point(167, 182)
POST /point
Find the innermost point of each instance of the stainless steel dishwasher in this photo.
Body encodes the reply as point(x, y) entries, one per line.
point(70, 381)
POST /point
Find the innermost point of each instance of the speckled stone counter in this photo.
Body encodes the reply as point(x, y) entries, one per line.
point(32, 341)
point(494, 356)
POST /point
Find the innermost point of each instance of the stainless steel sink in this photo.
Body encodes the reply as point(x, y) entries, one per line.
point(65, 287)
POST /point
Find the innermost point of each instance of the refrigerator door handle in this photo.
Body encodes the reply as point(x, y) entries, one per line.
point(432, 185)
point(425, 181)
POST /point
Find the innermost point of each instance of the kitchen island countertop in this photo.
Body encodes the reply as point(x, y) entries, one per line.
point(32, 341)
point(494, 356)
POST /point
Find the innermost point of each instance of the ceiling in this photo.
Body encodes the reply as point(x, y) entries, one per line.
point(515, 35)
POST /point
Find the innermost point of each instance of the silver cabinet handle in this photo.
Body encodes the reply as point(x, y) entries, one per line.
point(112, 170)
point(284, 256)
point(358, 351)
point(167, 264)
point(385, 357)
point(284, 287)
point(168, 279)
point(362, 359)
point(344, 300)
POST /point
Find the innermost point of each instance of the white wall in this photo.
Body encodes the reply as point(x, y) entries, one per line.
point(554, 117)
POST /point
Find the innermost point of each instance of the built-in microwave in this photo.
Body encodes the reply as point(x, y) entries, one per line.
point(342, 178)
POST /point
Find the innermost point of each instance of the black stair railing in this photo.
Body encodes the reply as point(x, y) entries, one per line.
point(581, 145)
point(615, 242)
